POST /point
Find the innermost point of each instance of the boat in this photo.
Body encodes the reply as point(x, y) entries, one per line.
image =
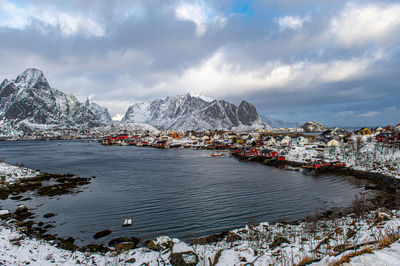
point(215, 154)
point(127, 222)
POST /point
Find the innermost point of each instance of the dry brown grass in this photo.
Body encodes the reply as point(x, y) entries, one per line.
point(306, 260)
point(388, 240)
point(346, 258)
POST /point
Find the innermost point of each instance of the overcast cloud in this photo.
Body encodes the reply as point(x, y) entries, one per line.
point(336, 62)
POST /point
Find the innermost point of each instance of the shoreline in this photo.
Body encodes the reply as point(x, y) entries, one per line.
point(31, 183)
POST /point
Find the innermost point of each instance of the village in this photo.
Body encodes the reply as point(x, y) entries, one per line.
point(362, 236)
point(370, 150)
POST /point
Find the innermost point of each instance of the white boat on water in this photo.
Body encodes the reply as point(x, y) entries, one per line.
point(127, 222)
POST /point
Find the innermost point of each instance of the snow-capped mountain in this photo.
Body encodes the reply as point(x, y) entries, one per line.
point(100, 112)
point(194, 112)
point(28, 104)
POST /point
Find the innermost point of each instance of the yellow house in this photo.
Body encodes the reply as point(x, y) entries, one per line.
point(365, 132)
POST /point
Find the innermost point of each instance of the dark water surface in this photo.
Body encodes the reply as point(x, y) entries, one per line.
point(179, 192)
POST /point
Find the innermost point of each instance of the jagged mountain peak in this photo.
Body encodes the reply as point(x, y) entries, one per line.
point(32, 77)
point(28, 104)
point(197, 94)
point(190, 112)
point(100, 112)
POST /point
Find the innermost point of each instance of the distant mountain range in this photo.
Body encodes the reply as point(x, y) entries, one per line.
point(29, 104)
point(195, 112)
point(276, 123)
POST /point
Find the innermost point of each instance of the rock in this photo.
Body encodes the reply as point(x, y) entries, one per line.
point(48, 226)
point(21, 208)
point(16, 197)
point(311, 126)
point(102, 234)
point(49, 215)
point(188, 258)
point(372, 187)
point(114, 242)
point(3, 195)
point(125, 246)
point(27, 224)
point(4, 214)
point(68, 244)
point(232, 237)
point(278, 240)
point(131, 260)
point(23, 215)
point(160, 243)
point(93, 248)
point(210, 239)
point(48, 237)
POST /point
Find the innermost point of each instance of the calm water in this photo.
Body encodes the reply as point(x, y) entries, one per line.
point(179, 192)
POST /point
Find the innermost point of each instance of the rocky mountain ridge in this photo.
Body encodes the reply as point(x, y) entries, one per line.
point(28, 104)
point(192, 112)
point(101, 113)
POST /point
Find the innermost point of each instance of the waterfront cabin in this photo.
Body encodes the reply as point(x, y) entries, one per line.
point(165, 138)
point(162, 144)
point(383, 137)
point(268, 153)
point(388, 129)
point(285, 141)
point(298, 140)
point(249, 152)
point(365, 132)
point(378, 130)
point(269, 141)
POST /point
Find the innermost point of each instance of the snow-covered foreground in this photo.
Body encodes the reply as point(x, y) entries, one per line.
point(263, 244)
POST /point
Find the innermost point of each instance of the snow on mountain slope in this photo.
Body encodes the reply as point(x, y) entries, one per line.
point(194, 112)
point(100, 112)
point(28, 104)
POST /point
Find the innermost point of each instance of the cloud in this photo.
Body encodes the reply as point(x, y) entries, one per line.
point(218, 76)
point(200, 14)
point(290, 22)
point(17, 17)
point(359, 24)
point(370, 114)
point(296, 59)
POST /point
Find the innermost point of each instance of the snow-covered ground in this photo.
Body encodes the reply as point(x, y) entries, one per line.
point(11, 173)
point(263, 244)
point(370, 157)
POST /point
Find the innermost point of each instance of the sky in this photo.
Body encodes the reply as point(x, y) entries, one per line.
point(336, 62)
